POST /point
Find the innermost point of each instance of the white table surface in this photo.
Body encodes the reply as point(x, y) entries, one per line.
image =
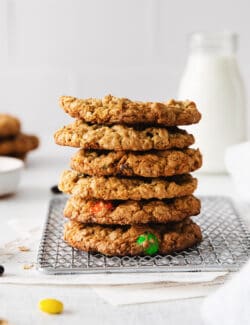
point(31, 203)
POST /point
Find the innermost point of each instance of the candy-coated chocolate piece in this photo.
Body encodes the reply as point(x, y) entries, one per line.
point(149, 242)
point(1, 270)
point(51, 306)
point(54, 189)
point(100, 206)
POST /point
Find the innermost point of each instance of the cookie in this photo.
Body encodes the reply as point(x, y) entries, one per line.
point(120, 137)
point(21, 156)
point(21, 144)
point(131, 212)
point(133, 240)
point(9, 126)
point(114, 188)
point(149, 164)
point(113, 110)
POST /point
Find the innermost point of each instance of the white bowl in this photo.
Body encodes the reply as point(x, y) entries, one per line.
point(10, 174)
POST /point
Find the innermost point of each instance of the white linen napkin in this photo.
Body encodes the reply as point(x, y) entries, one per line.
point(230, 304)
point(237, 160)
point(145, 293)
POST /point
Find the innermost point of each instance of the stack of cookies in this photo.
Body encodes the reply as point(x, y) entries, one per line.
point(131, 191)
point(13, 142)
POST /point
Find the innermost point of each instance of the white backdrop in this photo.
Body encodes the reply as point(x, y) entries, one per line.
point(134, 48)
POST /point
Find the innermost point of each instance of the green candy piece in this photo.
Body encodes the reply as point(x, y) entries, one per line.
point(149, 242)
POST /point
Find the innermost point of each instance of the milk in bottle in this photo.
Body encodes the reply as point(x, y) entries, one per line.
point(213, 81)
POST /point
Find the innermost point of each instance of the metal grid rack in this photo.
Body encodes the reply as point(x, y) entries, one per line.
point(225, 246)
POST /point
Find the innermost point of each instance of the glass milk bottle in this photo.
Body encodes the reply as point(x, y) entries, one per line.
point(212, 80)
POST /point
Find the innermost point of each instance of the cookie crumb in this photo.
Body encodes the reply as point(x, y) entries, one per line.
point(28, 266)
point(23, 249)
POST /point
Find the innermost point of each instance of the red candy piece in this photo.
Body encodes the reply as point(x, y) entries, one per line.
point(100, 206)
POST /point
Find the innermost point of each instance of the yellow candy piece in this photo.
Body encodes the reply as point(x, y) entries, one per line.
point(51, 306)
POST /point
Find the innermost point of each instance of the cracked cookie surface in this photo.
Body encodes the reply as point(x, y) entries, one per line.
point(121, 137)
point(114, 188)
point(131, 212)
point(114, 110)
point(149, 164)
point(123, 240)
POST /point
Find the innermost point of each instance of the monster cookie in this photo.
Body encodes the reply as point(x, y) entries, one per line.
point(131, 191)
point(9, 126)
point(21, 144)
point(149, 164)
point(131, 212)
point(133, 240)
point(113, 110)
point(21, 156)
point(120, 137)
point(113, 188)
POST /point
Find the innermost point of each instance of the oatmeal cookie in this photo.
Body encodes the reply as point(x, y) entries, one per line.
point(120, 137)
point(9, 126)
point(149, 164)
point(114, 188)
point(113, 110)
point(21, 144)
point(131, 212)
point(133, 240)
point(21, 156)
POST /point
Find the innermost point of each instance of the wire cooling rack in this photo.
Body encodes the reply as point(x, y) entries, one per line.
point(225, 246)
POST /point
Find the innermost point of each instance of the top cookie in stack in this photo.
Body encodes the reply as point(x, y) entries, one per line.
point(13, 142)
point(130, 183)
point(113, 110)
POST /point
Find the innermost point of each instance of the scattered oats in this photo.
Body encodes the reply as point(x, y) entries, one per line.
point(23, 249)
point(27, 267)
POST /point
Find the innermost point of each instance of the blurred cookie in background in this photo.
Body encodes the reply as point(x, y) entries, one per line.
point(19, 145)
point(13, 142)
point(9, 125)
